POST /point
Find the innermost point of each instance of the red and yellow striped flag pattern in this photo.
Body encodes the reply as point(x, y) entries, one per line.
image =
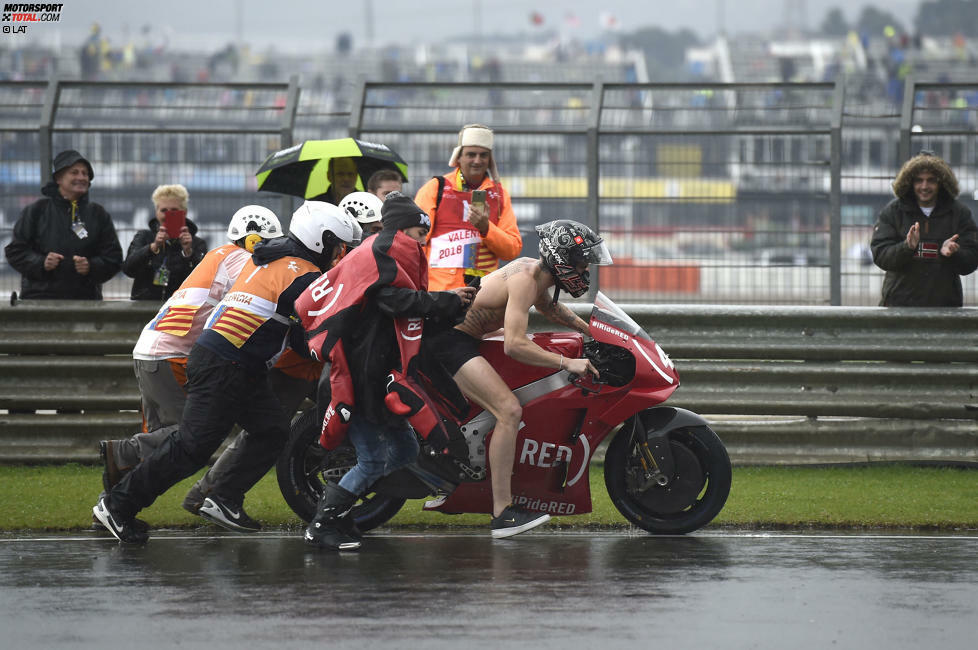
point(236, 325)
point(176, 320)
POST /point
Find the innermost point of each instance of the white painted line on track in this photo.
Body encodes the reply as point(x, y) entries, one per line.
point(163, 535)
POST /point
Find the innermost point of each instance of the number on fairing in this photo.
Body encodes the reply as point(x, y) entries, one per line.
point(666, 361)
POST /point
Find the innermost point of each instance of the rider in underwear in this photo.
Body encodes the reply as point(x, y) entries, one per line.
point(504, 300)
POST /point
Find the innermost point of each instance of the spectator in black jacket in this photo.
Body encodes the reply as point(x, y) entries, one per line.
point(161, 257)
point(64, 246)
point(925, 239)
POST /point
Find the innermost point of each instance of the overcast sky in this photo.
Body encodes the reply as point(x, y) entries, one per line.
point(297, 25)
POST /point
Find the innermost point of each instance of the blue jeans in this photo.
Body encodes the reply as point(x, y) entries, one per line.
point(380, 451)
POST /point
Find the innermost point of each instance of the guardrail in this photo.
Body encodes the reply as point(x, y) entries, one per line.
point(781, 384)
point(824, 384)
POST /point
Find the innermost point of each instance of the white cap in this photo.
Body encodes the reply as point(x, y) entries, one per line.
point(475, 135)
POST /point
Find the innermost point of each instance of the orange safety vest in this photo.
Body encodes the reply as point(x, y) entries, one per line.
point(454, 243)
point(178, 323)
point(248, 317)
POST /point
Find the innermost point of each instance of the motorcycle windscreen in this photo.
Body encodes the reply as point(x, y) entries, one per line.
point(606, 311)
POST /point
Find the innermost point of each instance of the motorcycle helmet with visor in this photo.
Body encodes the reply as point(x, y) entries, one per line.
point(567, 248)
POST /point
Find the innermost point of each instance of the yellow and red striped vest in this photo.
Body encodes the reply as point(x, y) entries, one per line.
point(178, 323)
point(251, 303)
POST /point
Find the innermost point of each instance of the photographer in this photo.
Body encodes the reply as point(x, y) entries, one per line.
point(473, 226)
point(161, 257)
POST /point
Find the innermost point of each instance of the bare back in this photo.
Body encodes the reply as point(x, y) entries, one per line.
point(523, 279)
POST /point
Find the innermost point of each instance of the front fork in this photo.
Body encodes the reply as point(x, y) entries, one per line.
point(654, 454)
point(650, 436)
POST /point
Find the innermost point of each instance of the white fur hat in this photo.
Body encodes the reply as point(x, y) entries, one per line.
point(475, 135)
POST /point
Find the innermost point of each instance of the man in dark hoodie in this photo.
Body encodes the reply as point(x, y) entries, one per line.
point(925, 239)
point(227, 371)
point(162, 256)
point(64, 246)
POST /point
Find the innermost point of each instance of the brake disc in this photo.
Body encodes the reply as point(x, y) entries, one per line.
point(683, 488)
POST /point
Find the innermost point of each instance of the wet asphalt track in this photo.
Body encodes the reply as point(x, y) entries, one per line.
point(539, 590)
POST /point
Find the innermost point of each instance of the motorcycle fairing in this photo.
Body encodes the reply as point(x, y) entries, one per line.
point(554, 445)
point(553, 453)
point(476, 428)
point(514, 373)
point(609, 328)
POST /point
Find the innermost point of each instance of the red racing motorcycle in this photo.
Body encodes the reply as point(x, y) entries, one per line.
point(665, 469)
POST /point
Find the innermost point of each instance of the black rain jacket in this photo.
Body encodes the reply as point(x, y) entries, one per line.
point(46, 226)
point(143, 266)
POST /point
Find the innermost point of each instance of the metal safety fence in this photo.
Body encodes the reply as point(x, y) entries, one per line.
point(707, 193)
point(138, 136)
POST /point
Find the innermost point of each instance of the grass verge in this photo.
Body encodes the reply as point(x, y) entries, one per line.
point(876, 496)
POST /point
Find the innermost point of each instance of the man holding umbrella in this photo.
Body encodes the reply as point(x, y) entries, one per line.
point(327, 170)
point(472, 220)
point(342, 176)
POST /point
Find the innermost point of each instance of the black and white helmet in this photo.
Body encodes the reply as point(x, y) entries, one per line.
point(567, 245)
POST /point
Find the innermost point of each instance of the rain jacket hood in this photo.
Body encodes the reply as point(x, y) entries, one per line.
point(50, 190)
point(903, 184)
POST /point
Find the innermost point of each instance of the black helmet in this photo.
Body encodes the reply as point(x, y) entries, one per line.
point(564, 246)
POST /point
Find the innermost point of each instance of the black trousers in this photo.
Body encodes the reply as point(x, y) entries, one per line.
point(248, 459)
point(220, 394)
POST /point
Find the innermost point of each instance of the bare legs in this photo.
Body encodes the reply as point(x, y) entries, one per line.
point(479, 382)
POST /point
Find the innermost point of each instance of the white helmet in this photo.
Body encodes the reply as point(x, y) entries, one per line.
point(254, 219)
point(364, 206)
point(320, 226)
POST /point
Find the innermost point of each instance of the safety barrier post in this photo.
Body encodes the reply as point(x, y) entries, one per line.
point(835, 196)
point(359, 98)
point(48, 113)
point(906, 118)
point(288, 129)
point(593, 176)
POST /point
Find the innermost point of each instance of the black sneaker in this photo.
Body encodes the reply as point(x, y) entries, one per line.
point(232, 517)
point(132, 531)
point(514, 520)
point(330, 536)
point(111, 472)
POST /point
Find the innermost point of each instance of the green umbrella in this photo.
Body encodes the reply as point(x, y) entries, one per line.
point(301, 170)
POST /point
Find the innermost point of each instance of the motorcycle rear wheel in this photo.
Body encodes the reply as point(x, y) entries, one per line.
point(304, 466)
point(695, 494)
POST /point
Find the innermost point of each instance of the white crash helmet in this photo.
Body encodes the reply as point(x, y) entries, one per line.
point(364, 206)
point(319, 226)
point(254, 219)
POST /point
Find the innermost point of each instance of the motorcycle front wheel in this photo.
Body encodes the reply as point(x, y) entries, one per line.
point(695, 493)
point(305, 466)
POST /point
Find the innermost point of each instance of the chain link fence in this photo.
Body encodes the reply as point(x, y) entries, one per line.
point(707, 193)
